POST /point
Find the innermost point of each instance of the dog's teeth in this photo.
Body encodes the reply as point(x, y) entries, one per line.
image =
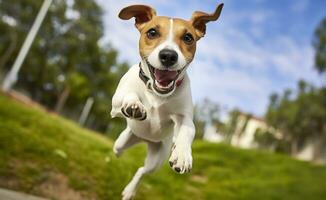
point(164, 87)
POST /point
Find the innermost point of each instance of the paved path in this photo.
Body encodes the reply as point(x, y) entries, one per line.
point(12, 195)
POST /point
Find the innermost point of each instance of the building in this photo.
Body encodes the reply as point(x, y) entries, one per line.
point(244, 137)
point(211, 134)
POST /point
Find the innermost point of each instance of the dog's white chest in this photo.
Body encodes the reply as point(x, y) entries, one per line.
point(156, 126)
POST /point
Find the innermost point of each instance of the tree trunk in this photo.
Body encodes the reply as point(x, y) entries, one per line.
point(294, 147)
point(5, 57)
point(317, 142)
point(62, 100)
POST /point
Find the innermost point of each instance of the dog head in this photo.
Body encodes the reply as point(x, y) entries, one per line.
point(167, 45)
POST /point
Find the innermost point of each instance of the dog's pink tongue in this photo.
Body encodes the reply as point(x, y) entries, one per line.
point(164, 77)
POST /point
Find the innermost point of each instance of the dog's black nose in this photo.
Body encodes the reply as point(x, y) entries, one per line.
point(168, 57)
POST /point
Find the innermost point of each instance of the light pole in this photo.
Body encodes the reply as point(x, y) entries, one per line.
point(11, 77)
point(87, 108)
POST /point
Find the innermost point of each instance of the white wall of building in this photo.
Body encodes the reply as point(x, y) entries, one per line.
point(211, 134)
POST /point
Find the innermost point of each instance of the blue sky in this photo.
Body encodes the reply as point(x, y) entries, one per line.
point(256, 47)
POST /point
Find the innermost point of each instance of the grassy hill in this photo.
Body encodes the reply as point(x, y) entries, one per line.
point(44, 154)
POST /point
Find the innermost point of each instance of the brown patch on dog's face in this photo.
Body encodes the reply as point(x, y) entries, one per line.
point(185, 37)
point(147, 43)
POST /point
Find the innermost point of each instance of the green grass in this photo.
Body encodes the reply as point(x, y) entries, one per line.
point(39, 149)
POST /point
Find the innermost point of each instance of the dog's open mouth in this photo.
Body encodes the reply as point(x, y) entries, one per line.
point(164, 80)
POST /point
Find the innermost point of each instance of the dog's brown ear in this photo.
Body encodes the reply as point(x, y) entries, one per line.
point(200, 19)
point(142, 14)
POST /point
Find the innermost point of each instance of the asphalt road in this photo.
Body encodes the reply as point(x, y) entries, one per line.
point(12, 195)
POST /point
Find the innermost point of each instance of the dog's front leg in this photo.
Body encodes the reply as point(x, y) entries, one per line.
point(128, 105)
point(181, 158)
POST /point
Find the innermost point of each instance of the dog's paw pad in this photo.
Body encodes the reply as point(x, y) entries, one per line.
point(134, 111)
point(171, 164)
point(177, 169)
point(181, 160)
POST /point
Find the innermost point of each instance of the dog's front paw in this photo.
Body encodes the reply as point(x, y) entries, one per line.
point(116, 150)
point(134, 110)
point(181, 159)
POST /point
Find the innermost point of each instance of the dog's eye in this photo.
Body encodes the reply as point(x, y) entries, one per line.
point(152, 33)
point(188, 38)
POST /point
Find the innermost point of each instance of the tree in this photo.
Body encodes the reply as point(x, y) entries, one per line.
point(265, 138)
point(300, 118)
point(66, 64)
point(319, 43)
point(235, 126)
point(230, 127)
point(206, 113)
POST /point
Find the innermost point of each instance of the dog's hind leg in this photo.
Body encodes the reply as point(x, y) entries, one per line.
point(125, 140)
point(157, 152)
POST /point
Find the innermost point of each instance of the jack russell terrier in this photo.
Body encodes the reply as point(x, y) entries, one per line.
point(154, 96)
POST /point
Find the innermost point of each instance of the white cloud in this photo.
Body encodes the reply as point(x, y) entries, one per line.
point(229, 86)
point(121, 34)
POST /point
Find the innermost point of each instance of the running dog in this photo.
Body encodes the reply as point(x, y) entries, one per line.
point(154, 96)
